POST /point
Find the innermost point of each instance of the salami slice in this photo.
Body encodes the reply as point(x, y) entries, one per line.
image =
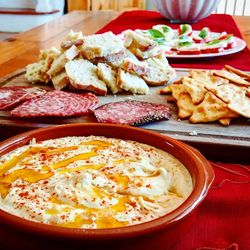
point(131, 112)
point(57, 103)
point(11, 96)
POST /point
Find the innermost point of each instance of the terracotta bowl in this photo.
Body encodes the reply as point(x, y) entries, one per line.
point(161, 233)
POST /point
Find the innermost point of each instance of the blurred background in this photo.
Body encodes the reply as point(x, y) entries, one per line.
point(20, 15)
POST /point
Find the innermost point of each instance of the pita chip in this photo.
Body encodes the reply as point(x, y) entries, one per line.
point(238, 72)
point(232, 77)
point(195, 88)
point(211, 109)
point(185, 105)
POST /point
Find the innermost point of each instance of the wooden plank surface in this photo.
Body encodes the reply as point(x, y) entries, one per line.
point(212, 135)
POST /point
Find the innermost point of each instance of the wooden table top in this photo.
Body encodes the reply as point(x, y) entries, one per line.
point(22, 49)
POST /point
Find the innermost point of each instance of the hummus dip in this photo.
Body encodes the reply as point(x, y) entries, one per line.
point(91, 182)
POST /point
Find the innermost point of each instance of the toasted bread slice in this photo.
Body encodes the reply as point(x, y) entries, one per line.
point(37, 72)
point(108, 75)
point(74, 36)
point(59, 63)
point(60, 80)
point(113, 59)
point(83, 75)
point(101, 45)
point(141, 46)
point(135, 66)
point(131, 82)
point(52, 52)
point(159, 72)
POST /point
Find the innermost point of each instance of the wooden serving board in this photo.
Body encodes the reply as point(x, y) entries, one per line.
point(230, 143)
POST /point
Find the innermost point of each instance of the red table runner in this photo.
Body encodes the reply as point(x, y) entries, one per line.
point(216, 22)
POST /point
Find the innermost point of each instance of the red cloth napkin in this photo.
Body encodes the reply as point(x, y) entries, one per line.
point(223, 219)
point(216, 22)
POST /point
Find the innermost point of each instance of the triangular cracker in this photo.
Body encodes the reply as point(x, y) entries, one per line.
point(238, 72)
point(185, 105)
point(232, 77)
point(211, 109)
point(195, 88)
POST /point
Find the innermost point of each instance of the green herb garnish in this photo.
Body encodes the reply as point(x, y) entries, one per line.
point(186, 43)
point(214, 42)
point(203, 33)
point(166, 29)
point(156, 33)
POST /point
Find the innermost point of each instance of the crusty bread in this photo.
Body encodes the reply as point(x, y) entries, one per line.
point(59, 63)
point(131, 82)
point(101, 45)
point(37, 72)
point(108, 75)
point(141, 46)
point(73, 36)
point(112, 59)
point(52, 52)
point(135, 66)
point(159, 71)
point(60, 80)
point(83, 75)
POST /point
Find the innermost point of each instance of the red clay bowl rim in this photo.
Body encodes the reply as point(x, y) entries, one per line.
point(204, 179)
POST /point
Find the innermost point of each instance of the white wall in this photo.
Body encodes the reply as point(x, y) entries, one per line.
point(25, 4)
point(228, 6)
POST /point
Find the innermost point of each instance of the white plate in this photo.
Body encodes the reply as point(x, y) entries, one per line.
point(240, 45)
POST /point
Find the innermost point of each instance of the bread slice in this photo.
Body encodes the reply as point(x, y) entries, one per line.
point(115, 59)
point(108, 75)
point(52, 52)
point(101, 45)
point(159, 71)
point(83, 75)
point(135, 66)
point(131, 82)
point(74, 36)
point(37, 72)
point(141, 46)
point(60, 80)
point(59, 63)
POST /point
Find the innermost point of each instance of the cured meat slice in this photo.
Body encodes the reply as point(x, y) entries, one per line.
point(12, 96)
point(132, 112)
point(57, 103)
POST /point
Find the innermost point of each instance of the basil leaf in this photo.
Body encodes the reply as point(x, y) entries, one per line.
point(155, 33)
point(184, 28)
point(203, 33)
point(165, 29)
point(214, 42)
point(181, 44)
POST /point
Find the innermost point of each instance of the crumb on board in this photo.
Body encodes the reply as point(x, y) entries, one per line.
point(193, 133)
